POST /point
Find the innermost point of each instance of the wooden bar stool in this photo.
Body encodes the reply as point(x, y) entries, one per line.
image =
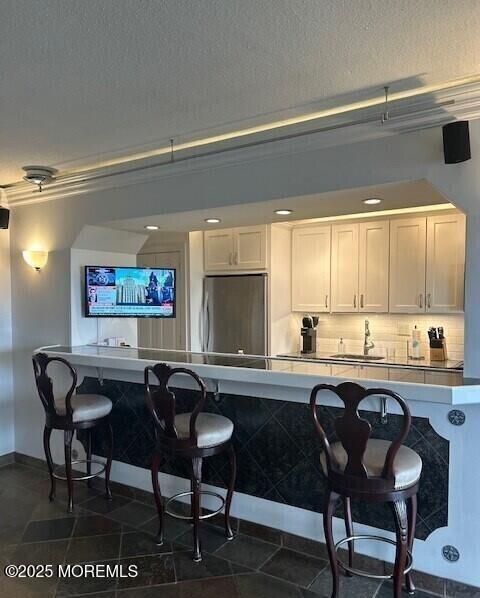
point(192, 436)
point(362, 468)
point(69, 413)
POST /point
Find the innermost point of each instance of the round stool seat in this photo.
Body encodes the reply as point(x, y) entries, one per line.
point(85, 407)
point(212, 429)
point(407, 466)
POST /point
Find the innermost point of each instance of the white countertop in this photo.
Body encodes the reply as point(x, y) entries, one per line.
point(445, 387)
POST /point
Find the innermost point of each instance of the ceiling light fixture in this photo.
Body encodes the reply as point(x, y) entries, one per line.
point(39, 175)
point(372, 201)
point(212, 220)
point(284, 212)
point(151, 227)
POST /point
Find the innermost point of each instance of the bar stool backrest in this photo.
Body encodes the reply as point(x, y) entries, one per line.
point(42, 363)
point(354, 433)
point(161, 402)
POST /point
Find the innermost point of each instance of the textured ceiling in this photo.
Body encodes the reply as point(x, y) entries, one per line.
point(80, 80)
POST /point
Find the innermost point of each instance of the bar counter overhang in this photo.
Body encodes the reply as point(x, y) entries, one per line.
point(279, 481)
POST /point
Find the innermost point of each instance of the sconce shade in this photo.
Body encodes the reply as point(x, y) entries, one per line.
point(36, 259)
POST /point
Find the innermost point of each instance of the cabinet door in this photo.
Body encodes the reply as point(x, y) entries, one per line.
point(445, 263)
point(250, 248)
point(345, 267)
point(407, 265)
point(311, 269)
point(218, 250)
point(374, 238)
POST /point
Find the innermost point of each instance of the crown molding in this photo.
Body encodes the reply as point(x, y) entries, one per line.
point(364, 125)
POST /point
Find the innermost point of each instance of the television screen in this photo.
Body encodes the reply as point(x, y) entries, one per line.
point(129, 292)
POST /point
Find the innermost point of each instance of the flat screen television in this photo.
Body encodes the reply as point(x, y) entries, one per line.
point(129, 292)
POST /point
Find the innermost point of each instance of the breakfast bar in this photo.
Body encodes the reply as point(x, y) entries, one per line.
point(280, 481)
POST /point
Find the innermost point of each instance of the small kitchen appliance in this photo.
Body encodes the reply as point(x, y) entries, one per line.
point(309, 334)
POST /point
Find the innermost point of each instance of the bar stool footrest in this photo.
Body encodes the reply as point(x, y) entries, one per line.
point(189, 517)
point(83, 477)
point(361, 573)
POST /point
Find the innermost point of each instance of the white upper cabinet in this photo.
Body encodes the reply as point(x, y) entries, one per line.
point(311, 269)
point(373, 266)
point(218, 249)
point(234, 249)
point(345, 261)
point(407, 265)
point(250, 247)
point(445, 263)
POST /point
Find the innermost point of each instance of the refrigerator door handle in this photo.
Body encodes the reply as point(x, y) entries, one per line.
point(207, 324)
point(203, 321)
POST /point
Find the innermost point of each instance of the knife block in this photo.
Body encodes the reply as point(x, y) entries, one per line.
point(438, 352)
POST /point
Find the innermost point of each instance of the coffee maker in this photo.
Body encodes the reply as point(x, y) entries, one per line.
point(309, 334)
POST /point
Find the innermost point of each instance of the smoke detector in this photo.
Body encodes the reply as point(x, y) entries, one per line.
point(39, 175)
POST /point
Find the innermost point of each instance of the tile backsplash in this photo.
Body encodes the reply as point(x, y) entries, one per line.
point(387, 332)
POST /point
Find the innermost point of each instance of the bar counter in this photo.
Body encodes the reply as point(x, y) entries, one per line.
point(280, 483)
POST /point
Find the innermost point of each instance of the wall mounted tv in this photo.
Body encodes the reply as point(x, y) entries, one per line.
point(115, 292)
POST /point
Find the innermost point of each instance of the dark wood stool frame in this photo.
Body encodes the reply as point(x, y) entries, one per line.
point(161, 403)
point(55, 421)
point(354, 484)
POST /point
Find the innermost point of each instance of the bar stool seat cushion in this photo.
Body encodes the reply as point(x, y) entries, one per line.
point(212, 429)
point(85, 407)
point(407, 466)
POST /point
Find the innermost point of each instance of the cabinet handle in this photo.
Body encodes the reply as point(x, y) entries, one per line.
point(354, 301)
point(230, 258)
point(236, 257)
point(420, 303)
point(361, 300)
point(326, 301)
point(429, 300)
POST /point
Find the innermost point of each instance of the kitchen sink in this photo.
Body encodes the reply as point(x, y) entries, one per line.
point(357, 357)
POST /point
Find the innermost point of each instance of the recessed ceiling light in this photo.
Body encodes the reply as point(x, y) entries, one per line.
point(283, 212)
point(152, 227)
point(212, 220)
point(372, 201)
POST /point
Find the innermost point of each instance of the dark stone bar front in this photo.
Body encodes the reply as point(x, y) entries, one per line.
point(277, 450)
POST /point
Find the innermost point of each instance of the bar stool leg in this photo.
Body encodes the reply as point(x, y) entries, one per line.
point(108, 465)
point(89, 456)
point(158, 497)
point(328, 513)
point(197, 481)
point(231, 486)
point(67, 440)
point(412, 523)
point(401, 525)
point(48, 455)
point(347, 507)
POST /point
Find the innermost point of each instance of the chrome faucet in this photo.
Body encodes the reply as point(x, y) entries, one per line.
point(366, 344)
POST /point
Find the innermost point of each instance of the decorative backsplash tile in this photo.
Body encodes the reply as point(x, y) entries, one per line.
point(386, 331)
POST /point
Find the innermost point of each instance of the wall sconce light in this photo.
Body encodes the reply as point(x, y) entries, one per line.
point(36, 259)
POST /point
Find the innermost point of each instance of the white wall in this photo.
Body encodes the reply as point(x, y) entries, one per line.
point(7, 429)
point(281, 320)
point(195, 288)
point(41, 310)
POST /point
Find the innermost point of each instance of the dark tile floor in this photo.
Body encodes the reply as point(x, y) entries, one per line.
point(258, 563)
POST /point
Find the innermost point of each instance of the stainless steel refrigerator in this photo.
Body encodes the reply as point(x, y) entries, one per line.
point(235, 314)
